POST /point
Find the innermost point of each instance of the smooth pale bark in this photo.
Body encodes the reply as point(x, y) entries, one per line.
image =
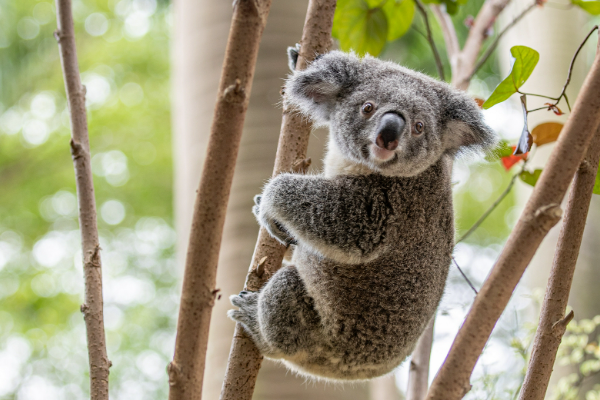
point(186, 371)
point(418, 379)
point(204, 25)
point(541, 213)
point(92, 308)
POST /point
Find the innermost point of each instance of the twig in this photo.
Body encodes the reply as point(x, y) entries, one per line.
point(477, 35)
point(418, 378)
point(488, 52)
point(570, 73)
point(541, 213)
point(448, 31)
point(552, 320)
point(92, 308)
point(436, 55)
point(186, 371)
point(567, 81)
point(244, 358)
point(491, 209)
point(465, 276)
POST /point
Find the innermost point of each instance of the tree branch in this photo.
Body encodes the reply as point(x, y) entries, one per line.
point(244, 358)
point(496, 40)
point(418, 378)
point(552, 319)
point(449, 33)
point(92, 308)
point(541, 213)
point(436, 55)
point(468, 56)
point(186, 371)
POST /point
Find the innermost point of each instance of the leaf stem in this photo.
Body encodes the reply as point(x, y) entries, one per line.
point(538, 95)
point(436, 55)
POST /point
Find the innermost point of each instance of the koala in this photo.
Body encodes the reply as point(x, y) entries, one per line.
point(373, 233)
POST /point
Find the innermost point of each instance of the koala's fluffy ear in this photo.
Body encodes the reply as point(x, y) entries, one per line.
point(464, 125)
point(315, 90)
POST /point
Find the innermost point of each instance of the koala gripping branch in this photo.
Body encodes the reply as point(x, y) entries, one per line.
point(541, 213)
point(186, 371)
point(244, 358)
point(80, 150)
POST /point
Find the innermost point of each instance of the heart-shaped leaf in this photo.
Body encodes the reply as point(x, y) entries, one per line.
point(546, 133)
point(360, 27)
point(530, 178)
point(593, 6)
point(525, 60)
point(400, 14)
point(526, 140)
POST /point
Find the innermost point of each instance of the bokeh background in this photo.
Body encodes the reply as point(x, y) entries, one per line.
point(148, 131)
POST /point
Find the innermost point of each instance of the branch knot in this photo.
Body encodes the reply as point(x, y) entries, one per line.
point(234, 93)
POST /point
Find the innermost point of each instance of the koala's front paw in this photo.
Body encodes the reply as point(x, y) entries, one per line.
point(263, 214)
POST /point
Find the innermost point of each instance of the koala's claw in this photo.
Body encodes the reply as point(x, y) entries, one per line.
point(257, 199)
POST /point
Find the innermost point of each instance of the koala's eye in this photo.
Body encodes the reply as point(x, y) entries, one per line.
point(418, 128)
point(368, 108)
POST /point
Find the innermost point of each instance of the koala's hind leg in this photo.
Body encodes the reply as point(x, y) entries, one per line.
point(287, 317)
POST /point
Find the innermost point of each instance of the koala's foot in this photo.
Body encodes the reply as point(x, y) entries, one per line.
point(274, 228)
point(247, 315)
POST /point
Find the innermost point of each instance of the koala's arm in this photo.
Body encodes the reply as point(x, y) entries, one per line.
point(343, 218)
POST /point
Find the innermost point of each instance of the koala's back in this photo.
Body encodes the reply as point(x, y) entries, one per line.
point(373, 313)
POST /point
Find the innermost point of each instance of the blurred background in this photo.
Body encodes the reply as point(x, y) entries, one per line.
point(151, 69)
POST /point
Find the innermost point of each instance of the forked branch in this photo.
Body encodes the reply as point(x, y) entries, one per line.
point(244, 358)
point(92, 308)
point(541, 213)
point(553, 321)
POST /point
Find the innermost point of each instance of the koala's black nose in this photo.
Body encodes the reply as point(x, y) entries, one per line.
point(389, 130)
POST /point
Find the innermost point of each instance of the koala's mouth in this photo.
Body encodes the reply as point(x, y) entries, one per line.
point(381, 154)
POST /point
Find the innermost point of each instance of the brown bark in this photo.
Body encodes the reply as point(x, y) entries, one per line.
point(541, 213)
point(466, 59)
point(418, 379)
point(92, 308)
point(553, 320)
point(244, 358)
point(186, 371)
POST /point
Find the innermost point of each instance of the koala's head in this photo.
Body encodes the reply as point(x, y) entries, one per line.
point(390, 118)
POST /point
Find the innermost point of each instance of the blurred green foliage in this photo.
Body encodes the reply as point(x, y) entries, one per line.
point(123, 51)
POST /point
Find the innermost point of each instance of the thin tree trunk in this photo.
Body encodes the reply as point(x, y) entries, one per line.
point(245, 359)
point(418, 379)
point(186, 371)
point(553, 321)
point(541, 213)
point(80, 150)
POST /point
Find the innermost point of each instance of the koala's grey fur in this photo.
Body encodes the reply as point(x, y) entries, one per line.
point(374, 236)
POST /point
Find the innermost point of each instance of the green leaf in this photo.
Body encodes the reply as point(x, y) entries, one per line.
point(525, 61)
point(593, 6)
point(530, 178)
point(597, 183)
point(400, 14)
point(360, 27)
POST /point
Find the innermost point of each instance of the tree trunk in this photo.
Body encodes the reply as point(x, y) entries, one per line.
point(200, 34)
